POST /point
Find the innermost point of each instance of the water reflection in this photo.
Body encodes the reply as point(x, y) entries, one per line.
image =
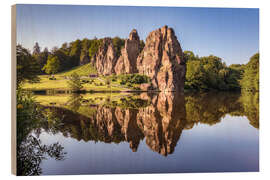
point(160, 122)
point(30, 150)
point(158, 119)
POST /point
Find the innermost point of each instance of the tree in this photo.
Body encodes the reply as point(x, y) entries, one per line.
point(36, 49)
point(195, 75)
point(209, 72)
point(94, 46)
point(52, 66)
point(27, 67)
point(75, 82)
point(41, 58)
point(118, 44)
point(250, 80)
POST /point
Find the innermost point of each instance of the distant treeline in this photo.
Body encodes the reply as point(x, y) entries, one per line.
point(206, 73)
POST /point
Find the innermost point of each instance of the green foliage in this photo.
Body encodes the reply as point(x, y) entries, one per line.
point(30, 150)
point(36, 49)
point(75, 82)
point(71, 54)
point(52, 66)
point(41, 59)
point(211, 107)
point(27, 68)
point(118, 44)
point(94, 46)
point(205, 73)
point(195, 75)
point(250, 80)
point(250, 105)
point(75, 48)
point(189, 56)
point(134, 79)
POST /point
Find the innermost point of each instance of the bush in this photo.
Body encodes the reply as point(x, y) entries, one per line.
point(134, 79)
point(75, 83)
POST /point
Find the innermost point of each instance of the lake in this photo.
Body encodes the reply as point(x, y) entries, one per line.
point(148, 133)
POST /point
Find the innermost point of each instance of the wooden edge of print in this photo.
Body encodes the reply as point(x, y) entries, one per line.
point(13, 90)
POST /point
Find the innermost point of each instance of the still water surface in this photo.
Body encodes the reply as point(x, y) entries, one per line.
point(151, 133)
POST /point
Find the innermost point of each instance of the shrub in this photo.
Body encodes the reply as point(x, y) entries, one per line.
point(134, 79)
point(75, 83)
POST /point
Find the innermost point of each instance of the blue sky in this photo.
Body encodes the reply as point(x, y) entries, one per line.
point(230, 33)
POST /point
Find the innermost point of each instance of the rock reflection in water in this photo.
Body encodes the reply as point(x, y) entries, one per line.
point(161, 122)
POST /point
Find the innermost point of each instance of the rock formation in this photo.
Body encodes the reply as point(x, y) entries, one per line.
point(105, 58)
point(162, 60)
point(160, 123)
point(126, 63)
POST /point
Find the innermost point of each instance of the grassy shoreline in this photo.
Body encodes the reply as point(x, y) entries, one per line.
point(61, 84)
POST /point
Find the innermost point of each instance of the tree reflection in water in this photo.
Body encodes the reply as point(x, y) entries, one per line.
point(31, 153)
point(30, 150)
point(159, 119)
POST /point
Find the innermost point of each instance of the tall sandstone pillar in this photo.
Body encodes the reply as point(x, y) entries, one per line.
point(126, 63)
point(105, 58)
point(162, 60)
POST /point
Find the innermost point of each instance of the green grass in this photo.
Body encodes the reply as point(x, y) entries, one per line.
point(61, 84)
point(99, 84)
point(83, 70)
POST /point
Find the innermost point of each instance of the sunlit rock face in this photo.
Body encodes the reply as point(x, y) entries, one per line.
point(162, 60)
point(105, 58)
point(126, 63)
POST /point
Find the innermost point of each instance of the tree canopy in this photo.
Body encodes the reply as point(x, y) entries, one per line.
point(250, 80)
point(209, 72)
point(52, 66)
point(27, 67)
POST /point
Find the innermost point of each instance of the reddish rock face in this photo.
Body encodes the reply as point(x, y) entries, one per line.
point(162, 60)
point(105, 58)
point(126, 63)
